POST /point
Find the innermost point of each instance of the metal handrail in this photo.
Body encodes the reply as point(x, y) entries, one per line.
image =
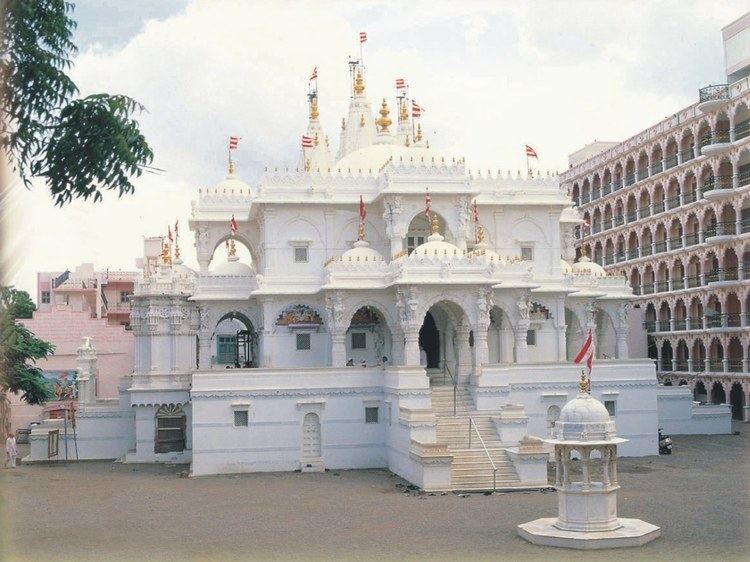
point(486, 452)
point(453, 380)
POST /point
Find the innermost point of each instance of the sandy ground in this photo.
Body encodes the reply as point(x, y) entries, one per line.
point(106, 511)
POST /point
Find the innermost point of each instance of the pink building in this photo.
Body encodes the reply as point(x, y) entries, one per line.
point(77, 304)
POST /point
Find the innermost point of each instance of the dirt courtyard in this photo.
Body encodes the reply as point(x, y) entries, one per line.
point(107, 511)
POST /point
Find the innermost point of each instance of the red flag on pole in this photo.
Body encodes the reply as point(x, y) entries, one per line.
point(427, 204)
point(530, 152)
point(233, 225)
point(586, 354)
point(416, 109)
point(400, 83)
point(362, 36)
point(314, 75)
point(362, 210)
point(169, 234)
point(177, 227)
point(308, 142)
point(233, 142)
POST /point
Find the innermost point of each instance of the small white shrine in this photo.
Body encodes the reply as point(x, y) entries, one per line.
point(587, 506)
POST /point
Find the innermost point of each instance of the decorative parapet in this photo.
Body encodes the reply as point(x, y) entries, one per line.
point(489, 181)
point(432, 451)
point(413, 417)
point(163, 285)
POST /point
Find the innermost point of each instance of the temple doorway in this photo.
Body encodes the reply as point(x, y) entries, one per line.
point(235, 342)
point(429, 343)
point(444, 344)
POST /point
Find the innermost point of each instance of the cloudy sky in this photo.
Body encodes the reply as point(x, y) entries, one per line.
point(492, 75)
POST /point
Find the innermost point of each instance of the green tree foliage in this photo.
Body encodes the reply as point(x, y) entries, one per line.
point(18, 303)
point(79, 146)
point(20, 349)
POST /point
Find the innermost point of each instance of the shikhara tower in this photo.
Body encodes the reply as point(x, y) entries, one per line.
point(242, 365)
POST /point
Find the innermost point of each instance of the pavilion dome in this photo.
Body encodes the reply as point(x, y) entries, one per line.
point(362, 252)
point(181, 270)
point(230, 182)
point(437, 247)
point(584, 419)
point(234, 268)
point(565, 267)
point(483, 253)
point(584, 266)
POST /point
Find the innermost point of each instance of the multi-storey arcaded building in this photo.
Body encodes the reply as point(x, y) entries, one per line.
point(669, 209)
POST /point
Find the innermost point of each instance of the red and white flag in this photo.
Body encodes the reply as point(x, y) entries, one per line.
point(362, 210)
point(475, 211)
point(233, 225)
point(362, 36)
point(586, 354)
point(233, 142)
point(177, 228)
point(531, 153)
point(308, 142)
point(169, 234)
point(416, 109)
point(427, 204)
point(400, 83)
point(314, 75)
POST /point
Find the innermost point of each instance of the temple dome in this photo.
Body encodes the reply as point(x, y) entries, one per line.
point(584, 409)
point(361, 252)
point(585, 419)
point(483, 253)
point(234, 268)
point(584, 266)
point(374, 157)
point(181, 270)
point(230, 182)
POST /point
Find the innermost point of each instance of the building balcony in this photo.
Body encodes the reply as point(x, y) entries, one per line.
point(680, 325)
point(692, 239)
point(687, 155)
point(662, 286)
point(642, 173)
point(688, 197)
point(616, 185)
point(712, 97)
point(629, 179)
point(660, 246)
point(657, 168)
point(693, 281)
point(742, 130)
point(606, 189)
point(670, 161)
point(675, 243)
point(595, 194)
point(715, 144)
point(658, 207)
point(678, 284)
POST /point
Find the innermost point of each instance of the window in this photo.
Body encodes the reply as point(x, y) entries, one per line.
point(240, 418)
point(303, 342)
point(610, 405)
point(359, 340)
point(170, 429)
point(125, 296)
point(371, 414)
point(531, 337)
point(300, 254)
point(527, 253)
point(45, 297)
point(226, 349)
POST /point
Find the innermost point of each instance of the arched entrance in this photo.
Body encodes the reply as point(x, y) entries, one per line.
point(718, 396)
point(444, 345)
point(235, 342)
point(368, 339)
point(171, 429)
point(737, 400)
point(500, 337)
point(700, 394)
point(420, 229)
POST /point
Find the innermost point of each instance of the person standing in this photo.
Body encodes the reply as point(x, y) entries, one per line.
point(11, 451)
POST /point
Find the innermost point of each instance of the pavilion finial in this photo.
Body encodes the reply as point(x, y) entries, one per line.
point(359, 84)
point(384, 121)
point(314, 113)
point(584, 384)
point(232, 168)
point(480, 234)
point(166, 256)
point(361, 231)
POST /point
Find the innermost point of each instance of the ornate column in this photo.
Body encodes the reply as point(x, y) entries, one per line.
point(407, 304)
point(463, 372)
point(481, 348)
point(623, 328)
point(462, 213)
point(204, 339)
point(86, 375)
point(605, 466)
point(393, 229)
point(558, 467)
point(337, 328)
point(520, 347)
point(202, 248)
point(585, 460)
point(613, 464)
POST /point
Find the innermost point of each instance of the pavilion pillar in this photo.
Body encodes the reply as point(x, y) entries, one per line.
point(463, 373)
point(521, 348)
point(204, 351)
point(605, 467)
point(411, 347)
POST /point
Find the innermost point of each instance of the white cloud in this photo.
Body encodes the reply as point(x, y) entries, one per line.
point(493, 76)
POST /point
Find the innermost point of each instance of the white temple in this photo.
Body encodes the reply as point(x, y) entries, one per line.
point(242, 366)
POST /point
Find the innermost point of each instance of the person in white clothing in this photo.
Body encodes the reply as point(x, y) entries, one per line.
point(11, 451)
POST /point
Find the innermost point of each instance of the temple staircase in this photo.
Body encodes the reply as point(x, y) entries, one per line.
point(472, 469)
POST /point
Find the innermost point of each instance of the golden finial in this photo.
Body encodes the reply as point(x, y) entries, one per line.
point(176, 251)
point(316, 139)
point(480, 234)
point(584, 384)
point(314, 109)
point(231, 167)
point(403, 113)
point(419, 133)
point(435, 224)
point(166, 258)
point(307, 165)
point(232, 249)
point(361, 119)
point(384, 121)
point(359, 84)
point(361, 231)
